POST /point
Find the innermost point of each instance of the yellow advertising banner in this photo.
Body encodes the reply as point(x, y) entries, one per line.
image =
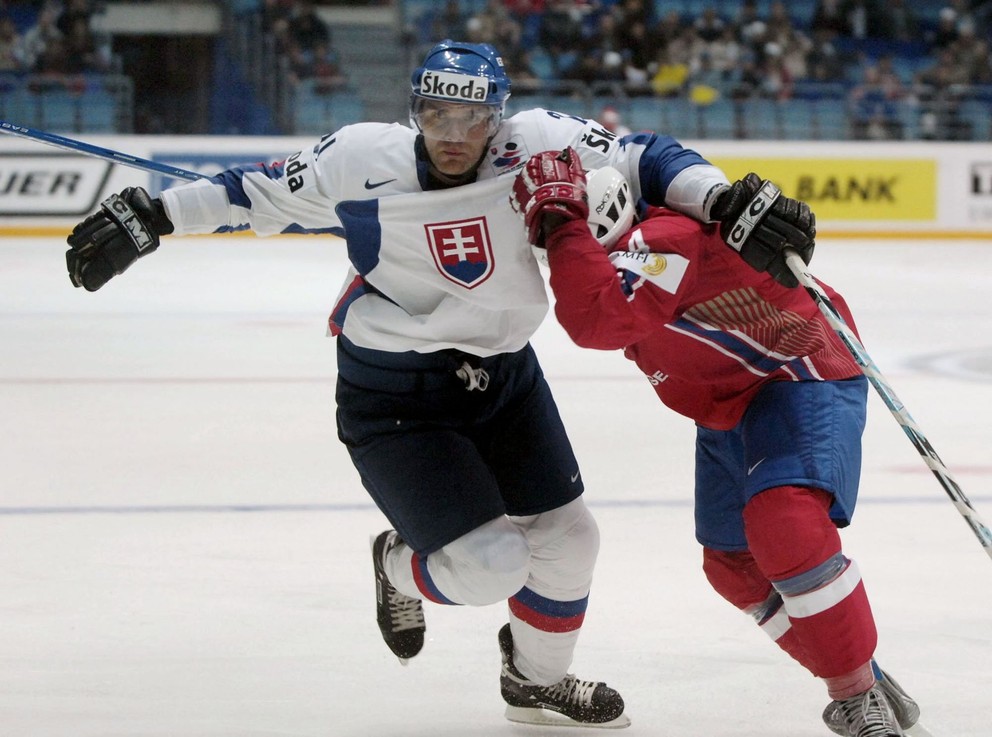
point(850, 189)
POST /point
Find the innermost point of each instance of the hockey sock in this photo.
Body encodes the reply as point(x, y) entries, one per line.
point(850, 684)
point(735, 576)
point(547, 613)
point(796, 545)
point(482, 567)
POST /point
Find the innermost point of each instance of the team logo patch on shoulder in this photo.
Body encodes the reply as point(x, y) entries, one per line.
point(462, 250)
point(508, 155)
point(664, 270)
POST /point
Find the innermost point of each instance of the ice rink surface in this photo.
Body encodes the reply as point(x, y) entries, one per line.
point(184, 543)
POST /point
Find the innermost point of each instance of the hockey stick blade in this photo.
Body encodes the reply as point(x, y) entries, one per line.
point(978, 526)
point(71, 144)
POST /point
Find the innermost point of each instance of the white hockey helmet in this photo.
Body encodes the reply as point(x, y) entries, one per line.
point(611, 206)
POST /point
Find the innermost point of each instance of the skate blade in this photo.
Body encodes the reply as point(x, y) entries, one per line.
point(546, 718)
point(918, 730)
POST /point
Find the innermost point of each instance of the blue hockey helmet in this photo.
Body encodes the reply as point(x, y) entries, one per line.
point(460, 73)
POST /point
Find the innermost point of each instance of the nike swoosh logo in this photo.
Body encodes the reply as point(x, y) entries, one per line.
point(575, 477)
point(370, 185)
point(751, 469)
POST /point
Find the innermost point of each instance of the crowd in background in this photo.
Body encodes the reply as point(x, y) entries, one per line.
point(882, 53)
point(55, 43)
point(303, 40)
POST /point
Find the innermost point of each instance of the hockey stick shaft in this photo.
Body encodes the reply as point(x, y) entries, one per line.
point(896, 407)
point(70, 144)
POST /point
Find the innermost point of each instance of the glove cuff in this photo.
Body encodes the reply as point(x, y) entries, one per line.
point(755, 211)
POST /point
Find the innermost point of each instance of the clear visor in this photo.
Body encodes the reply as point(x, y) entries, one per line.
point(454, 121)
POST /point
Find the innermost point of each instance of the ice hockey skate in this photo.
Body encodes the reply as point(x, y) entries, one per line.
point(865, 715)
point(569, 703)
point(904, 708)
point(400, 617)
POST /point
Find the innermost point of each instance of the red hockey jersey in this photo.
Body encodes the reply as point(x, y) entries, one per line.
point(706, 329)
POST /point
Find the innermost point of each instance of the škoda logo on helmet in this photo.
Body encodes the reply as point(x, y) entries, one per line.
point(454, 86)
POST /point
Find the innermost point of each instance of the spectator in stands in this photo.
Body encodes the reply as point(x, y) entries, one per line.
point(607, 35)
point(825, 62)
point(777, 81)
point(889, 77)
point(874, 105)
point(666, 30)
point(37, 37)
point(830, 15)
point(597, 66)
point(901, 23)
point(611, 119)
point(671, 72)
point(56, 69)
point(518, 68)
point(938, 90)
point(865, 18)
point(306, 27)
point(725, 57)
point(638, 54)
point(86, 53)
point(275, 13)
point(72, 11)
point(795, 44)
point(324, 68)
point(496, 27)
point(749, 27)
point(10, 45)
point(686, 48)
point(561, 28)
point(709, 25)
point(945, 71)
point(971, 53)
point(947, 29)
point(450, 22)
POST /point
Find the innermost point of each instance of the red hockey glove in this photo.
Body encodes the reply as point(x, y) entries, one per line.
point(550, 189)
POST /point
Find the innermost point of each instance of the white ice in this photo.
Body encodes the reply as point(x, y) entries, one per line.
point(184, 543)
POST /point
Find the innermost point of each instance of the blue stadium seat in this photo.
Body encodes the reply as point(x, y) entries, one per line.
point(798, 119)
point(325, 112)
point(977, 114)
point(541, 63)
point(680, 118)
point(646, 113)
point(59, 111)
point(760, 118)
point(831, 120)
point(98, 111)
point(719, 120)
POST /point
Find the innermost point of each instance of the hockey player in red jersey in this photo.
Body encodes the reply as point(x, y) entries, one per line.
point(778, 402)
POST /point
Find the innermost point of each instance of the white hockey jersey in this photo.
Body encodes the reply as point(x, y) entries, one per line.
point(437, 269)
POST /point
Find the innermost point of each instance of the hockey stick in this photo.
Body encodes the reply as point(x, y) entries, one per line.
point(69, 144)
point(896, 407)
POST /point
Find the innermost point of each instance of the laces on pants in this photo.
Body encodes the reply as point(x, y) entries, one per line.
point(474, 378)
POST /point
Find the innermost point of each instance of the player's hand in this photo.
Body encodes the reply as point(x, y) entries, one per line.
point(550, 190)
point(759, 222)
point(106, 243)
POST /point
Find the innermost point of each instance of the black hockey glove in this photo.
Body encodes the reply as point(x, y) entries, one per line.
point(106, 243)
point(759, 222)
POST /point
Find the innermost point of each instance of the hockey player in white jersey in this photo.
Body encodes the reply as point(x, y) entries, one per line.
point(441, 401)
